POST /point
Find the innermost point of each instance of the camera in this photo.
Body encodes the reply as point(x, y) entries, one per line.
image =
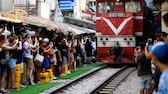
point(150, 41)
point(51, 43)
point(150, 44)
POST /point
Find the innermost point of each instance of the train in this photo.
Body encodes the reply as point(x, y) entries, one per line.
point(120, 26)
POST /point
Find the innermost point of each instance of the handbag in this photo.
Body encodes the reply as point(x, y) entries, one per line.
point(38, 60)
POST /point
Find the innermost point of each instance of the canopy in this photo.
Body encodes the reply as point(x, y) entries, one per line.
point(79, 30)
point(50, 25)
point(10, 20)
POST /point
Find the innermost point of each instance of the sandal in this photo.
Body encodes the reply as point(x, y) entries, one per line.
point(3, 91)
point(14, 88)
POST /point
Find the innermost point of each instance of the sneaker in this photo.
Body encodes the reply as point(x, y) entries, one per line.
point(62, 74)
point(84, 65)
point(3, 91)
point(26, 83)
point(55, 78)
point(75, 69)
point(31, 83)
point(22, 86)
point(14, 88)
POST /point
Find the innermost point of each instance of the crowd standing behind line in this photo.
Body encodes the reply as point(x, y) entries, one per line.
point(65, 51)
point(70, 52)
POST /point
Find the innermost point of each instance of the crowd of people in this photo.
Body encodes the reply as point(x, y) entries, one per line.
point(153, 53)
point(74, 53)
point(22, 49)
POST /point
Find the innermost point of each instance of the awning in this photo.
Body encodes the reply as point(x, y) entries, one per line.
point(65, 5)
point(10, 20)
point(49, 25)
point(79, 30)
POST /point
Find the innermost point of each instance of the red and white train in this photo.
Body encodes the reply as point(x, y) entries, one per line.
point(120, 25)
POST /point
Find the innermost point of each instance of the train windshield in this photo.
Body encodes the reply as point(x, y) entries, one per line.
point(105, 7)
point(133, 7)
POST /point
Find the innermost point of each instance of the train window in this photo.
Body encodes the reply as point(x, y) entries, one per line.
point(105, 7)
point(133, 7)
point(118, 3)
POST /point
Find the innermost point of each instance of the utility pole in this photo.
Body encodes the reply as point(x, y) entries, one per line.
point(27, 6)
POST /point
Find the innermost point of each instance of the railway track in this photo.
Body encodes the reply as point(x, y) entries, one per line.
point(109, 86)
point(106, 86)
point(54, 90)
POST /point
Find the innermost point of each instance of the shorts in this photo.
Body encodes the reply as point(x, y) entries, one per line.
point(64, 60)
point(29, 63)
point(144, 82)
point(3, 68)
point(46, 63)
point(12, 62)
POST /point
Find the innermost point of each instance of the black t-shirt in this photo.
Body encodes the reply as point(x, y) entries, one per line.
point(144, 65)
point(63, 49)
point(14, 53)
point(2, 54)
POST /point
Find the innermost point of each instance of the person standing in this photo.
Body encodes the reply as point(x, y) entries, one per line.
point(62, 54)
point(88, 49)
point(94, 50)
point(165, 19)
point(144, 70)
point(46, 46)
point(13, 55)
point(4, 67)
point(159, 57)
point(28, 57)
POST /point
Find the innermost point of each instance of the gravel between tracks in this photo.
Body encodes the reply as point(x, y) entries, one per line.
point(129, 86)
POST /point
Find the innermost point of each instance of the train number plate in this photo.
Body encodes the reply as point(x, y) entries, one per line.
point(116, 14)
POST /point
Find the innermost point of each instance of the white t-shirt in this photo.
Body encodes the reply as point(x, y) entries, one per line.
point(27, 52)
point(94, 45)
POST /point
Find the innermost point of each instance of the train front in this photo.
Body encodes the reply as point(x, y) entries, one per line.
point(118, 23)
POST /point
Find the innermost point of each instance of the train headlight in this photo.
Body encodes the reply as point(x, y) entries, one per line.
point(130, 38)
point(106, 38)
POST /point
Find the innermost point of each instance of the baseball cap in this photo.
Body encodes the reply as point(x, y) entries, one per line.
point(45, 40)
point(160, 50)
point(138, 47)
